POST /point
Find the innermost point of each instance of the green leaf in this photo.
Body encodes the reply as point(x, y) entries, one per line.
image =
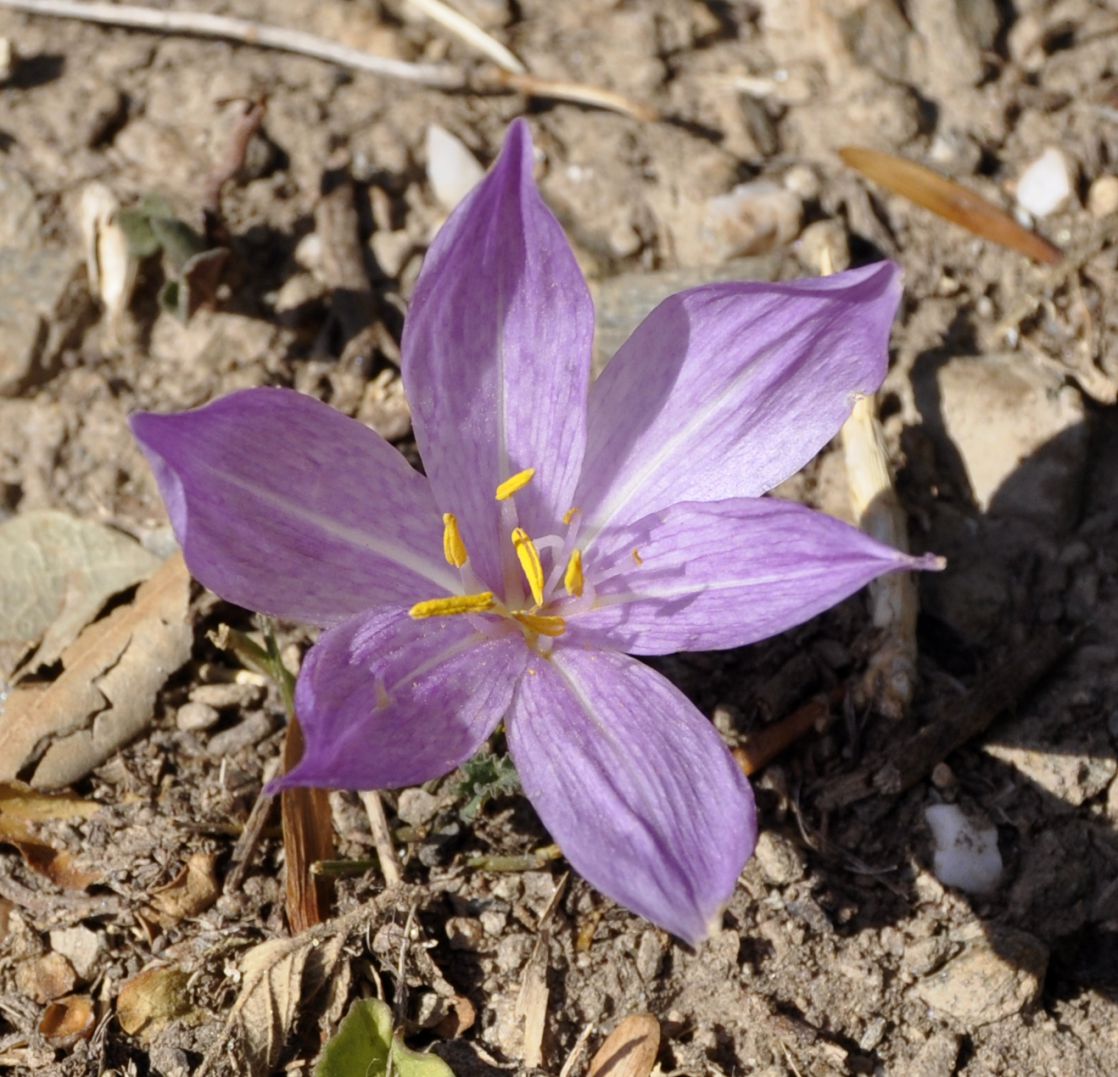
point(409, 1063)
point(364, 1043)
point(360, 1046)
point(138, 232)
point(486, 776)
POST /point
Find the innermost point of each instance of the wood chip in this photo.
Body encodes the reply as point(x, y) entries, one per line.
point(630, 1050)
point(950, 200)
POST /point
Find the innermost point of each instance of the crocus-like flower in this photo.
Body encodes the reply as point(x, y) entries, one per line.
point(560, 527)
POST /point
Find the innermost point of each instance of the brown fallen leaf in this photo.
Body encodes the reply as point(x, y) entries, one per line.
point(56, 572)
point(283, 979)
point(151, 999)
point(630, 1050)
point(68, 1020)
point(949, 200)
point(104, 696)
point(22, 810)
point(46, 977)
point(189, 893)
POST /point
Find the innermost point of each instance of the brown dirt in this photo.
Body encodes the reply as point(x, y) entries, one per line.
point(841, 951)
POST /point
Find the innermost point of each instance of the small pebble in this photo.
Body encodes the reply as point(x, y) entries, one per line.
point(227, 696)
point(1102, 198)
point(823, 247)
point(780, 861)
point(7, 59)
point(943, 777)
point(251, 731)
point(1046, 183)
point(753, 218)
point(966, 854)
point(192, 717)
point(452, 170)
point(997, 975)
point(417, 807)
point(465, 933)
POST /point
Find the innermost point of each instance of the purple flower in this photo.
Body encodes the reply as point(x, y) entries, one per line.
point(560, 527)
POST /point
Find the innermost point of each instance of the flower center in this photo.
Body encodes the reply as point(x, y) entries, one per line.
point(533, 618)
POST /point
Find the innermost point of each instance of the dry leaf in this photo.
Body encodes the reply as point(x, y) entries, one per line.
point(949, 200)
point(308, 835)
point(46, 977)
point(68, 1020)
point(151, 999)
point(56, 572)
point(282, 978)
point(105, 694)
point(22, 809)
point(192, 891)
point(630, 1050)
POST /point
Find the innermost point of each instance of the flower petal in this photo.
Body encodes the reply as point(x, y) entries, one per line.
point(285, 506)
point(726, 390)
point(385, 700)
point(722, 574)
point(497, 357)
point(634, 784)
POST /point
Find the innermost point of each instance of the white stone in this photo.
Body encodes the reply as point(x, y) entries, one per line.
point(966, 855)
point(452, 170)
point(1046, 183)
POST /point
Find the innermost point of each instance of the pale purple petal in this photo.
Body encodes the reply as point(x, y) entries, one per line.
point(706, 576)
point(726, 390)
point(286, 506)
point(385, 700)
point(497, 357)
point(634, 784)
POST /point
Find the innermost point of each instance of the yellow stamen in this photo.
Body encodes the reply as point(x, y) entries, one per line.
point(454, 549)
point(515, 483)
point(572, 578)
point(569, 515)
point(529, 558)
point(542, 623)
point(448, 607)
point(637, 557)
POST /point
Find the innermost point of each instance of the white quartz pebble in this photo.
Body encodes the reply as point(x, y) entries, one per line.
point(966, 855)
point(1046, 183)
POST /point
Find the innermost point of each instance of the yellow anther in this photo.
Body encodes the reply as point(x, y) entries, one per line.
point(542, 624)
point(637, 557)
point(529, 558)
point(569, 515)
point(572, 578)
point(454, 549)
point(448, 607)
point(515, 483)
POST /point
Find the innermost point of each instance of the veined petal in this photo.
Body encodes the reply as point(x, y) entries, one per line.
point(385, 701)
point(496, 358)
point(634, 784)
point(726, 390)
point(723, 574)
point(286, 506)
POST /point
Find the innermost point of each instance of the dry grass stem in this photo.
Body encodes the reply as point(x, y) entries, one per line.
point(245, 32)
point(469, 33)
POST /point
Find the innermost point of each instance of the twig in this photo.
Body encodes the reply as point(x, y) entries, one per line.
point(472, 35)
point(759, 749)
point(382, 838)
point(577, 92)
point(953, 724)
point(245, 32)
point(249, 838)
